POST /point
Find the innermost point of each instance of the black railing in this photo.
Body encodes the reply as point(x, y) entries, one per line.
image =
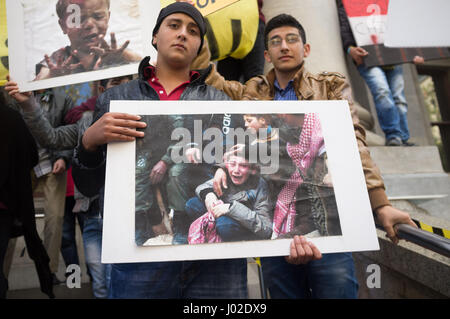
point(436, 243)
point(425, 239)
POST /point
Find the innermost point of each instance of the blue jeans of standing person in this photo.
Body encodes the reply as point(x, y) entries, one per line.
point(228, 228)
point(387, 88)
point(205, 279)
point(332, 277)
point(68, 243)
point(92, 239)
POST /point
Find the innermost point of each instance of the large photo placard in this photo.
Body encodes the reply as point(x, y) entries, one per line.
point(60, 42)
point(369, 23)
point(295, 171)
point(402, 29)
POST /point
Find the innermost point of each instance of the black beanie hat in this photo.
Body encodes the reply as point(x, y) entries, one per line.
point(186, 8)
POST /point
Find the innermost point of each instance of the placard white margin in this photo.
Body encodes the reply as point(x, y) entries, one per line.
point(17, 53)
point(358, 228)
point(418, 23)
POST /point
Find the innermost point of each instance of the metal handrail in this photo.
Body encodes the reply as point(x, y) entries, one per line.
point(438, 244)
point(425, 239)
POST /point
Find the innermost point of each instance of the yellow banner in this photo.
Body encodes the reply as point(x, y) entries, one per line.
point(206, 7)
point(3, 44)
point(231, 29)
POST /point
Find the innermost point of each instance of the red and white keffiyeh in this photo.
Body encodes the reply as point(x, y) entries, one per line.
point(303, 155)
point(203, 229)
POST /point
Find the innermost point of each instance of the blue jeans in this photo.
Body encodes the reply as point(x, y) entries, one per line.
point(332, 277)
point(92, 239)
point(195, 208)
point(68, 242)
point(387, 88)
point(228, 228)
point(216, 279)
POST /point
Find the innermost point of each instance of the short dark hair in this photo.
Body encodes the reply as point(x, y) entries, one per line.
point(104, 82)
point(283, 20)
point(61, 6)
point(267, 117)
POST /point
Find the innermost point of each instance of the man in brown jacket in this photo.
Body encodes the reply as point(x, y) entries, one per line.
point(304, 274)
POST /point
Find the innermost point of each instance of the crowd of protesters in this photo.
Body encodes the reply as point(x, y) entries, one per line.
point(65, 157)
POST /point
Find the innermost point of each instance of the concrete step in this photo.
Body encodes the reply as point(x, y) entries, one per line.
point(417, 186)
point(373, 139)
point(415, 174)
point(407, 160)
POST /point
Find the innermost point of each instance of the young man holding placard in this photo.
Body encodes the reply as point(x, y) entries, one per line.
point(178, 37)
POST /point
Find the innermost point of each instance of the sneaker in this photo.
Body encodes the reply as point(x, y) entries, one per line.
point(406, 143)
point(394, 141)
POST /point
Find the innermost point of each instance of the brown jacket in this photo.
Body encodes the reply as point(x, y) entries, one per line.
point(324, 86)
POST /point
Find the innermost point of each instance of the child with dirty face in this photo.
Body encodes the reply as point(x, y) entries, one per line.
point(85, 22)
point(243, 212)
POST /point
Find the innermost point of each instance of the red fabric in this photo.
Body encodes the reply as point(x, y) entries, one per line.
point(75, 114)
point(203, 229)
point(303, 155)
point(360, 8)
point(70, 189)
point(261, 14)
point(150, 73)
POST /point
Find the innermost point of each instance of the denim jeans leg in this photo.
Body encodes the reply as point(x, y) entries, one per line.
point(284, 280)
point(231, 230)
point(333, 277)
point(214, 279)
point(153, 280)
point(195, 208)
point(180, 279)
point(92, 240)
point(68, 242)
point(397, 85)
point(388, 115)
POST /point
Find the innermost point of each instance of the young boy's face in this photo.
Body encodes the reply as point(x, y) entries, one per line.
point(94, 18)
point(285, 49)
point(239, 169)
point(178, 39)
point(254, 123)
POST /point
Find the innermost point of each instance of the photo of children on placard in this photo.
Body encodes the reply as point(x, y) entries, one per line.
point(214, 178)
point(64, 37)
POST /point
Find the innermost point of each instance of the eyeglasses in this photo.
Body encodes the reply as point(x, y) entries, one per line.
point(290, 39)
